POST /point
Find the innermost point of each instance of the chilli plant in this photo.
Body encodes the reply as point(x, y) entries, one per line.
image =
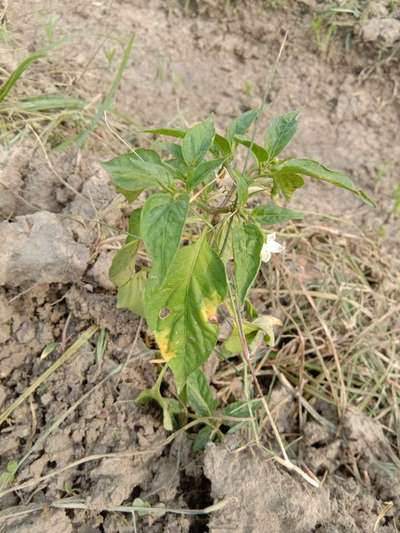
point(195, 246)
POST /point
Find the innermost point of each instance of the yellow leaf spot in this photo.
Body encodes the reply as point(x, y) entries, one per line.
point(164, 345)
point(209, 311)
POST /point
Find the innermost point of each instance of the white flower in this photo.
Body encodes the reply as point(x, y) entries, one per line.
point(271, 246)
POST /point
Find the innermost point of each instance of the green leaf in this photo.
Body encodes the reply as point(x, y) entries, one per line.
point(144, 154)
point(280, 132)
point(314, 169)
point(204, 172)
point(123, 264)
point(132, 174)
point(242, 187)
point(175, 150)
point(162, 221)
point(141, 154)
point(273, 214)
point(131, 294)
point(258, 151)
point(240, 125)
point(197, 142)
point(131, 196)
point(169, 132)
point(202, 438)
point(199, 394)
point(138, 502)
point(49, 349)
point(182, 313)
point(286, 182)
point(221, 146)
point(8, 475)
point(247, 241)
point(134, 231)
point(250, 310)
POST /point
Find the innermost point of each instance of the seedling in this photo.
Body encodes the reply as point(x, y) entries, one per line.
point(195, 246)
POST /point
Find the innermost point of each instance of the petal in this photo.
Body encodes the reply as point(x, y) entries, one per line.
point(275, 247)
point(265, 253)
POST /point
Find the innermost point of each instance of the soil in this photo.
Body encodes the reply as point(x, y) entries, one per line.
point(187, 62)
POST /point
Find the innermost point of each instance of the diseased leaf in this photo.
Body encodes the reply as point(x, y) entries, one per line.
point(279, 133)
point(273, 214)
point(197, 142)
point(132, 174)
point(286, 182)
point(247, 241)
point(204, 172)
point(123, 264)
point(258, 151)
point(262, 328)
point(240, 125)
point(182, 313)
point(134, 231)
point(233, 344)
point(199, 394)
point(314, 169)
point(266, 324)
point(131, 293)
point(162, 221)
point(202, 438)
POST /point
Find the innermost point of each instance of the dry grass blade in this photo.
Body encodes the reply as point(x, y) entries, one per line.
point(14, 512)
point(350, 342)
point(66, 356)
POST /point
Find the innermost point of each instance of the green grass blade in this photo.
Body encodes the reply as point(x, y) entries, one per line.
point(105, 105)
point(50, 103)
point(17, 73)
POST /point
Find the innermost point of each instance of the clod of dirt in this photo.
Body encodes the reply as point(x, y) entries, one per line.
point(114, 480)
point(261, 494)
point(365, 441)
point(385, 30)
point(40, 249)
point(56, 520)
point(99, 271)
point(93, 208)
point(102, 310)
point(27, 324)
